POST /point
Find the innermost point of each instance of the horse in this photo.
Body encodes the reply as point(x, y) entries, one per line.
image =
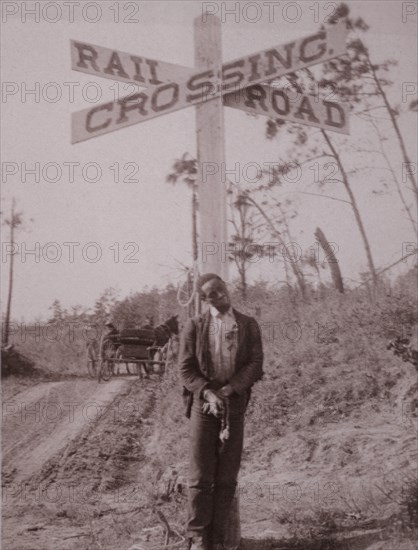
point(162, 337)
point(163, 332)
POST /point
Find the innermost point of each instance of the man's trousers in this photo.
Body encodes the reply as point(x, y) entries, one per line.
point(213, 468)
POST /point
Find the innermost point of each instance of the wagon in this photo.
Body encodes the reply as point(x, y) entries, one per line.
point(137, 356)
point(142, 350)
point(137, 349)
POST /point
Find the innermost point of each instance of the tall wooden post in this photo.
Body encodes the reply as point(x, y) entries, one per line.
point(211, 153)
point(13, 223)
point(212, 185)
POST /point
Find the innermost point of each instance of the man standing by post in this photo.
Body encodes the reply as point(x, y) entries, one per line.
point(220, 359)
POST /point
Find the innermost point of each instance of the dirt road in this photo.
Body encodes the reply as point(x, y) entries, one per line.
point(41, 421)
point(71, 455)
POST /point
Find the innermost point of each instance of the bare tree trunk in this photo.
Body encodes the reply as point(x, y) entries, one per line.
point(290, 289)
point(394, 176)
point(242, 267)
point(195, 307)
point(318, 272)
point(391, 265)
point(194, 226)
point(243, 283)
point(355, 208)
point(190, 308)
point(333, 262)
point(286, 272)
point(6, 331)
point(396, 128)
point(296, 270)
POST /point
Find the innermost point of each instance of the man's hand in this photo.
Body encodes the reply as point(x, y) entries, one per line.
point(214, 404)
point(226, 391)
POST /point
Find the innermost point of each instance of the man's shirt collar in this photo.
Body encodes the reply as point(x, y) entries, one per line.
point(217, 314)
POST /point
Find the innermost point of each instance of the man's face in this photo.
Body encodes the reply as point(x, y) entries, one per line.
point(214, 292)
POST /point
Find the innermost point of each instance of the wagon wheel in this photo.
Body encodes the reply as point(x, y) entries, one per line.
point(106, 364)
point(92, 360)
point(104, 372)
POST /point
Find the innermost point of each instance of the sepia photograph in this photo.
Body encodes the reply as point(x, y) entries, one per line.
point(209, 298)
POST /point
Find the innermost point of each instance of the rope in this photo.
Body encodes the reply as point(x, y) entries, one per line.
point(195, 277)
point(225, 418)
point(224, 434)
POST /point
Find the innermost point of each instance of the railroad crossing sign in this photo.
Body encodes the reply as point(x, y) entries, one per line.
point(290, 105)
point(240, 84)
point(117, 65)
point(176, 87)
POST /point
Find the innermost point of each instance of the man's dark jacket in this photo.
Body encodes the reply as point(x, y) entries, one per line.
point(195, 359)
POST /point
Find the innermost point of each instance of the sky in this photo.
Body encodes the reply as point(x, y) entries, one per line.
point(130, 228)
